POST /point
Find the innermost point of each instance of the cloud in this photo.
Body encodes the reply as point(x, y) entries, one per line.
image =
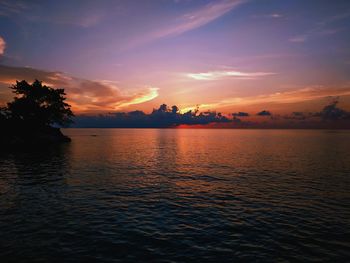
point(142, 96)
point(10, 7)
point(336, 18)
point(264, 113)
point(298, 39)
point(332, 112)
point(217, 75)
point(84, 20)
point(84, 95)
point(322, 29)
point(297, 115)
point(314, 33)
point(292, 96)
point(2, 46)
point(240, 114)
point(198, 18)
point(190, 21)
point(275, 15)
point(34, 11)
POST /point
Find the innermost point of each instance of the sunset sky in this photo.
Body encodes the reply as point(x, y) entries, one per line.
point(224, 55)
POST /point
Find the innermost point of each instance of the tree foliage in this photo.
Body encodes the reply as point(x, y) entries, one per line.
point(38, 105)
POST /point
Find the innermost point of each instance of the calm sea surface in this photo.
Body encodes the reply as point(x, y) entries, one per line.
point(179, 195)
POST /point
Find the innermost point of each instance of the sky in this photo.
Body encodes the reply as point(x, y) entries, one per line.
point(223, 55)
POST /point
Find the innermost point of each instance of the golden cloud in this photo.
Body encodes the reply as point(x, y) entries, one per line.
point(84, 95)
point(2, 45)
point(286, 97)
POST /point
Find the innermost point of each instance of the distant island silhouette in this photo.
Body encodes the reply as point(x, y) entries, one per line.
point(34, 115)
point(37, 112)
point(171, 117)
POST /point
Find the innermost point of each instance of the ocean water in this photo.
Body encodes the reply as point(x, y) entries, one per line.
point(179, 195)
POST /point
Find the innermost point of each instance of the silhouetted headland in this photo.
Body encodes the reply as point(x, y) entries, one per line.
point(34, 115)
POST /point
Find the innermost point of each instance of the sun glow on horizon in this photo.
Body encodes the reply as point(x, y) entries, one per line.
point(224, 55)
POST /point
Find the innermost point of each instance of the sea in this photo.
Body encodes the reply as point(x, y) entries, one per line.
point(178, 195)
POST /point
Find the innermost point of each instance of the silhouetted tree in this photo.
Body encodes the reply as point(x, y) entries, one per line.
point(174, 109)
point(163, 108)
point(3, 117)
point(38, 105)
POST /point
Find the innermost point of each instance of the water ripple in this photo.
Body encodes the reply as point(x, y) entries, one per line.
point(179, 196)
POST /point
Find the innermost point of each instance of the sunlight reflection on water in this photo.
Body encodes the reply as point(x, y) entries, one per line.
point(179, 195)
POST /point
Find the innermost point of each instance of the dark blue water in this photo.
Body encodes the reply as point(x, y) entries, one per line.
point(176, 195)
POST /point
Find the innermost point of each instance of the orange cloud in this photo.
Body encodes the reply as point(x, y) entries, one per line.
point(2, 46)
point(84, 95)
point(293, 96)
